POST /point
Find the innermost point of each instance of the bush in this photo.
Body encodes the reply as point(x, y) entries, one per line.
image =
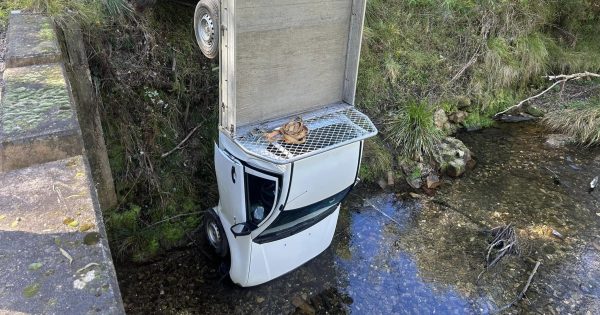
point(412, 130)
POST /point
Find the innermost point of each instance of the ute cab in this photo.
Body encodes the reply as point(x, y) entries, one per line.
point(279, 60)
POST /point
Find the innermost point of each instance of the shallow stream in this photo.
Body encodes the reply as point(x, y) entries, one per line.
point(416, 254)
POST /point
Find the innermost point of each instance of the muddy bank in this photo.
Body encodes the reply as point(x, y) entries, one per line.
point(393, 253)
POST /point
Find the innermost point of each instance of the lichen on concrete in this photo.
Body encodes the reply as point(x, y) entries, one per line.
point(31, 40)
point(46, 267)
point(36, 101)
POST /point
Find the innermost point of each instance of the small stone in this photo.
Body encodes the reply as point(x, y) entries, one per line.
point(555, 141)
point(302, 305)
point(260, 299)
point(534, 111)
point(440, 119)
point(433, 181)
point(458, 117)
point(382, 183)
point(456, 168)
point(415, 183)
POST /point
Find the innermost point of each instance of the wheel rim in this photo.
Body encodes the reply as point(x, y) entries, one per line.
point(206, 30)
point(213, 234)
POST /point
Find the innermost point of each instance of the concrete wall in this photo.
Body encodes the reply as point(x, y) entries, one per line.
point(53, 248)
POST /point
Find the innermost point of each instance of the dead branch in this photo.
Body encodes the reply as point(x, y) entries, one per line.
point(561, 78)
point(465, 67)
point(180, 145)
point(572, 76)
point(520, 296)
point(505, 242)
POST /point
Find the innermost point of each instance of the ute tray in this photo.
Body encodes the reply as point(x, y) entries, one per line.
point(328, 128)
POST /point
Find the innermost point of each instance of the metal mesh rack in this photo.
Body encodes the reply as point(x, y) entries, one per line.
point(328, 128)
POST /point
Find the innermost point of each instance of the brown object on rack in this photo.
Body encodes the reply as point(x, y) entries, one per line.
point(293, 132)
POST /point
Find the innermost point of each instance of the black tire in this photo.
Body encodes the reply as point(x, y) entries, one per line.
point(215, 234)
point(207, 27)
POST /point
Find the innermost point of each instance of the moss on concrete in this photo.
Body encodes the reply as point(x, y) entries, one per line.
point(36, 99)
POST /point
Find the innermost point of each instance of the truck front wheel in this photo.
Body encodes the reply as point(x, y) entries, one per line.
point(215, 234)
point(206, 27)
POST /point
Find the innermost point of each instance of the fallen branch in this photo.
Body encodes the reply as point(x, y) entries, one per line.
point(561, 78)
point(520, 296)
point(180, 145)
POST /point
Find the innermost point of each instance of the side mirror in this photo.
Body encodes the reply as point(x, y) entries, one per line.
point(241, 229)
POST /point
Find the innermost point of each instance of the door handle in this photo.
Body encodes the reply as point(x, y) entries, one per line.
point(233, 174)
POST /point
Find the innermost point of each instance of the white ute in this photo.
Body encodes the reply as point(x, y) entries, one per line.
point(282, 60)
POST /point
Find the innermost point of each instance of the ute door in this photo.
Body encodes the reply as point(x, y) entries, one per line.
point(230, 177)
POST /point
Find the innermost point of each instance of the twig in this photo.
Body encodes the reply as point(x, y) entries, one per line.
point(466, 66)
point(385, 214)
point(520, 296)
point(561, 78)
point(178, 147)
point(174, 217)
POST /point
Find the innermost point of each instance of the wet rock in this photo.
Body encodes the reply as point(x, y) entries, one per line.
point(440, 119)
point(556, 141)
point(456, 168)
point(415, 183)
point(534, 111)
point(433, 181)
point(455, 157)
point(458, 117)
point(516, 118)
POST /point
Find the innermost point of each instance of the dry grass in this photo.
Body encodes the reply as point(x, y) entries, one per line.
point(581, 121)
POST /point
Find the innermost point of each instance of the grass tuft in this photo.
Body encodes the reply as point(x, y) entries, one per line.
point(413, 131)
point(581, 121)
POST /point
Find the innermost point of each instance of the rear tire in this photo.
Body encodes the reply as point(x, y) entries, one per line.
point(215, 234)
point(206, 27)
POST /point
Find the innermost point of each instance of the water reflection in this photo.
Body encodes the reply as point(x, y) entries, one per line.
point(384, 280)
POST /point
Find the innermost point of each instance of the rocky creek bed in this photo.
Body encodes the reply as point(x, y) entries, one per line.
point(397, 253)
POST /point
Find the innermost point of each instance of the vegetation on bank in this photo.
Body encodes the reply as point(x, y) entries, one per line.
point(480, 56)
point(418, 56)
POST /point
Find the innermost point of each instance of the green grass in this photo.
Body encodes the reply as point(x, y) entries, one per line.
point(412, 130)
point(377, 161)
point(86, 12)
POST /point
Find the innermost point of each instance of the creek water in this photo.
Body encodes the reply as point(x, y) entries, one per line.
point(397, 253)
